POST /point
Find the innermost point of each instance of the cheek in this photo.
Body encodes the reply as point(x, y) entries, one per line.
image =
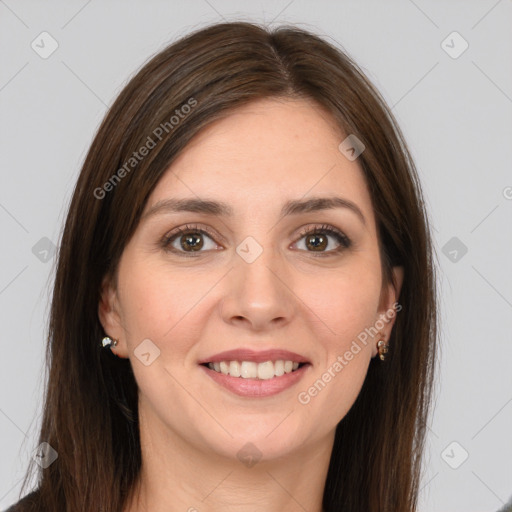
point(158, 303)
point(346, 301)
point(338, 376)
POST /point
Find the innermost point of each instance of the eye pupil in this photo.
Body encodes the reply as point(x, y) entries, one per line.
point(191, 241)
point(316, 245)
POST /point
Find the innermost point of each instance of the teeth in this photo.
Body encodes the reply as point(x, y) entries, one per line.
point(266, 370)
point(252, 370)
point(224, 367)
point(248, 370)
point(234, 369)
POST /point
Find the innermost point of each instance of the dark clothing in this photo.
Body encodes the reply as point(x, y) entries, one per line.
point(26, 504)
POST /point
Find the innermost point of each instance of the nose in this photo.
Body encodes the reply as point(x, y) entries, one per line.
point(258, 295)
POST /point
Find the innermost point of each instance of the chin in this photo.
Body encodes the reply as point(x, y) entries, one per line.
point(277, 439)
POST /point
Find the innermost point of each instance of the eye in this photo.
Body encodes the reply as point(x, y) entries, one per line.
point(317, 239)
point(188, 239)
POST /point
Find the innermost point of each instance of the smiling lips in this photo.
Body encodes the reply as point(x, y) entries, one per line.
point(252, 370)
point(255, 374)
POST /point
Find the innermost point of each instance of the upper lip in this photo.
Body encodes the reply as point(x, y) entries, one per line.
point(246, 354)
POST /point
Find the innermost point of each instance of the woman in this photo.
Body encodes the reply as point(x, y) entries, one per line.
point(244, 311)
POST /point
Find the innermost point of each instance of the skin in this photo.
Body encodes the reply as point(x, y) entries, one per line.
point(191, 429)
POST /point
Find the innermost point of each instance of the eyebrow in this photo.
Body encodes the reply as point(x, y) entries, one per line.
point(221, 209)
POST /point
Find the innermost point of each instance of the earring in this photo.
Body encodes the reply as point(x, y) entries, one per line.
point(382, 347)
point(107, 341)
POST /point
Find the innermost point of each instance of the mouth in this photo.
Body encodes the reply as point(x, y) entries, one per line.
point(266, 370)
point(255, 375)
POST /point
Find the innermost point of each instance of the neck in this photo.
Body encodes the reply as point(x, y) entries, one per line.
point(179, 476)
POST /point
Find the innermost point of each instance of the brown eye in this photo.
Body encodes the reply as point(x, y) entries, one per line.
point(191, 241)
point(188, 240)
point(316, 240)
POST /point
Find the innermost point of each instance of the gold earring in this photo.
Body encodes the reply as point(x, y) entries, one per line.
point(383, 348)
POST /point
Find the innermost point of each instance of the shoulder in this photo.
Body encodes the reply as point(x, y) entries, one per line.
point(25, 504)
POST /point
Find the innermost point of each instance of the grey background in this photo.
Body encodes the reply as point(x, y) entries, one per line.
point(455, 114)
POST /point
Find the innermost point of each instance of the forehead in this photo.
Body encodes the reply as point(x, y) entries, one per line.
point(264, 154)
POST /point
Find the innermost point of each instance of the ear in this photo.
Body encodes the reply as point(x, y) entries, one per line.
point(110, 318)
point(388, 307)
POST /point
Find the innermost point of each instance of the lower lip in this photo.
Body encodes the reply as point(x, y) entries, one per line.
point(257, 387)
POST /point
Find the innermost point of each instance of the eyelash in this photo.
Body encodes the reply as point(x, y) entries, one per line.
point(340, 237)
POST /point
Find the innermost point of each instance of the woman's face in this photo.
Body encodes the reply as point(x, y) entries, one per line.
point(252, 280)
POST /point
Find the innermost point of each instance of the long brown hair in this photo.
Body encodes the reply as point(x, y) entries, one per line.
point(90, 412)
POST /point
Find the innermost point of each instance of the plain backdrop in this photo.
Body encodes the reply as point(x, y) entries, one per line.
point(452, 95)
